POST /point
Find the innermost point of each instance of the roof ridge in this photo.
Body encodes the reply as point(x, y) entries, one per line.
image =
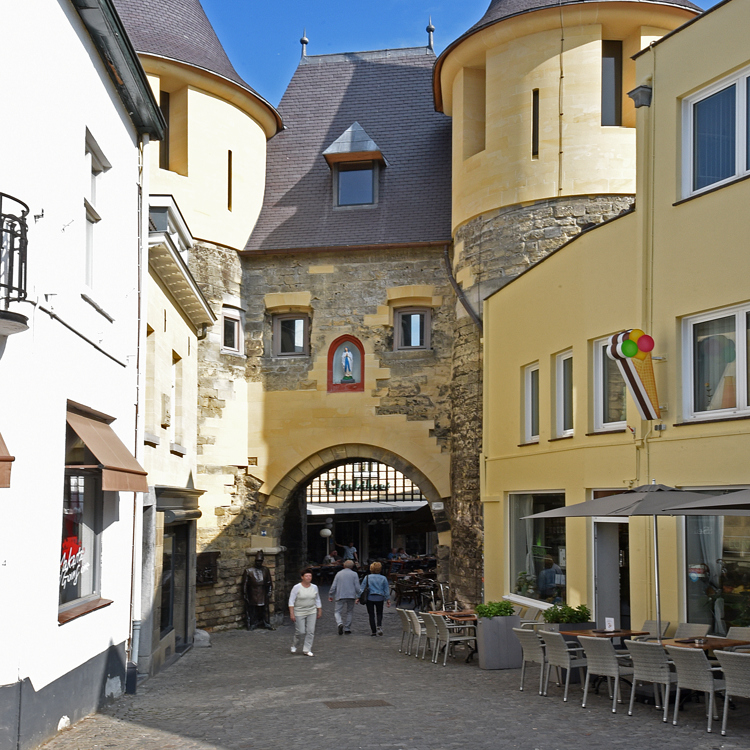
point(367, 54)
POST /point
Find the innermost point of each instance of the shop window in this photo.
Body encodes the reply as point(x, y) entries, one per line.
point(717, 556)
point(611, 82)
point(716, 134)
point(716, 364)
point(609, 390)
point(291, 335)
point(531, 403)
point(564, 394)
point(355, 183)
point(167, 584)
point(537, 547)
point(231, 331)
point(411, 328)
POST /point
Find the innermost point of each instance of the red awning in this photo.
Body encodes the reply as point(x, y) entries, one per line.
point(5, 461)
point(120, 471)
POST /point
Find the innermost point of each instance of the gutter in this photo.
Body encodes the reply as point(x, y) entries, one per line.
point(460, 292)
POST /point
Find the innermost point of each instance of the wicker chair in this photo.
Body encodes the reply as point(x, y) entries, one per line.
point(431, 636)
point(650, 664)
point(736, 668)
point(691, 630)
point(533, 651)
point(603, 660)
point(694, 672)
point(448, 639)
point(740, 634)
point(652, 628)
point(561, 657)
point(405, 630)
point(417, 630)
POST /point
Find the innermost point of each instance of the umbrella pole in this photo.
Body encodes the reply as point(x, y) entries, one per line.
point(656, 580)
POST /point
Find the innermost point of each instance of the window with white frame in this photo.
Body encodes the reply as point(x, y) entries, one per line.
point(609, 390)
point(716, 134)
point(96, 165)
point(291, 335)
point(715, 364)
point(564, 394)
point(231, 331)
point(411, 328)
point(531, 403)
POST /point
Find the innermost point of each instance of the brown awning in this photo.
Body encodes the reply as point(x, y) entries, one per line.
point(5, 461)
point(120, 471)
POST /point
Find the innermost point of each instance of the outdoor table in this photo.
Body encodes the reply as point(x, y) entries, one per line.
point(467, 617)
point(605, 633)
point(708, 643)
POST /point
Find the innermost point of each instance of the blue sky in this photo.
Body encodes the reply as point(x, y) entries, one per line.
point(262, 38)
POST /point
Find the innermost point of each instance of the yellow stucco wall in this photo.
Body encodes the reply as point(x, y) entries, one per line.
point(487, 82)
point(210, 117)
point(649, 270)
point(170, 332)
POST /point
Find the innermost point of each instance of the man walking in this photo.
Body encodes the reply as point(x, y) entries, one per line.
point(344, 590)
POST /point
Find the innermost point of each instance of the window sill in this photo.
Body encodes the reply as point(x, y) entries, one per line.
point(606, 432)
point(291, 355)
point(531, 442)
point(177, 449)
point(563, 437)
point(232, 352)
point(712, 190)
point(81, 609)
point(151, 439)
point(711, 421)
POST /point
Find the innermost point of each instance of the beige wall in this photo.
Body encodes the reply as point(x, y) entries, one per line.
point(647, 270)
point(208, 118)
point(486, 84)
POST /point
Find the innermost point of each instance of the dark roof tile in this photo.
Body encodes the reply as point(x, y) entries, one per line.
point(389, 93)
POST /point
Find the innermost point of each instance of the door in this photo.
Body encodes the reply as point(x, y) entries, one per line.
point(611, 572)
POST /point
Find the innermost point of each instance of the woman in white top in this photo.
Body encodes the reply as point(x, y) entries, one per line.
point(304, 609)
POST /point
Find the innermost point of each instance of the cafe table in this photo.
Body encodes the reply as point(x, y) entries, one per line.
point(708, 643)
point(466, 617)
point(605, 633)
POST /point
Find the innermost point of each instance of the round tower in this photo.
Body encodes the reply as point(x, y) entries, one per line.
point(543, 147)
point(214, 156)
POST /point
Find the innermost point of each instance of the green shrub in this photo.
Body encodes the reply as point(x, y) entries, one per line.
point(495, 609)
point(566, 613)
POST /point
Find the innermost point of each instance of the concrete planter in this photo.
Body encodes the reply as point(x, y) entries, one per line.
point(497, 643)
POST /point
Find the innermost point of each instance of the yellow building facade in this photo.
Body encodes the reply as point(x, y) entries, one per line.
point(559, 428)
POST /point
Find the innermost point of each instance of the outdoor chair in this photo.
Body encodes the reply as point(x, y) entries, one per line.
point(740, 634)
point(533, 652)
point(531, 617)
point(604, 661)
point(650, 664)
point(691, 630)
point(405, 629)
point(448, 638)
point(736, 668)
point(431, 636)
point(561, 657)
point(694, 672)
point(652, 628)
point(417, 630)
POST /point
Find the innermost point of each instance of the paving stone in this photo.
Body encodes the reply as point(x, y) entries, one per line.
point(248, 692)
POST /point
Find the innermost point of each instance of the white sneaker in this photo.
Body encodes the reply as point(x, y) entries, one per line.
point(294, 649)
point(307, 653)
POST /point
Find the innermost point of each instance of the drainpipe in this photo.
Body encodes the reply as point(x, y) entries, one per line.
point(460, 292)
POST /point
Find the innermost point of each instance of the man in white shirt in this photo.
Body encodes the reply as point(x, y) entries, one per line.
point(344, 590)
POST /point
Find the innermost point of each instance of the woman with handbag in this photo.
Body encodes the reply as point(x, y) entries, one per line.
point(373, 591)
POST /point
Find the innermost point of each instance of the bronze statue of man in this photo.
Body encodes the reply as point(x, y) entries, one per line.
point(256, 589)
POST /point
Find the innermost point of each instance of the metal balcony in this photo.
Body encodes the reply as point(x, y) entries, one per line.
point(13, 249)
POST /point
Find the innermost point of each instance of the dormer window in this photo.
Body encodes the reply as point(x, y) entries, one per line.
point(355, 161)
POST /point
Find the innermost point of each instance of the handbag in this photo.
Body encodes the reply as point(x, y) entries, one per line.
point(365, 591)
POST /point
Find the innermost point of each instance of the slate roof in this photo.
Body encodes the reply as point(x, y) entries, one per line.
point(178, 30)
point(389, 93)
point(499, 10)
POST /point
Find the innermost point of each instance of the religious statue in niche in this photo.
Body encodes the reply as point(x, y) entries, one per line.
point(347, 364)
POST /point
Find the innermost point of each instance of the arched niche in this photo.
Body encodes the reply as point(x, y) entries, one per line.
point(346, 365)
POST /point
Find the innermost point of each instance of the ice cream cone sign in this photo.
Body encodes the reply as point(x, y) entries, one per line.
point(632, 351)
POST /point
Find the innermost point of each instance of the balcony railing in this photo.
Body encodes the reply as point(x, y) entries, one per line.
point(13, 247)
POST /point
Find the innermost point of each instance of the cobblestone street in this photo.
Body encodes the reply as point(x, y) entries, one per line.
point(248, 691)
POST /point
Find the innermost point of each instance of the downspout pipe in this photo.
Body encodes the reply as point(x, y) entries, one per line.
point(460, 292)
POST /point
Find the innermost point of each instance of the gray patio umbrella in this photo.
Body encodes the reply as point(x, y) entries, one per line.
point(732, 504)
point(648, 500)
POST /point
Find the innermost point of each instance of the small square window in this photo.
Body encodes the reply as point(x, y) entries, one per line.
point(290, 335)
point(411, 329)
point(231, 331)
point(531, 403)
point(356, 183)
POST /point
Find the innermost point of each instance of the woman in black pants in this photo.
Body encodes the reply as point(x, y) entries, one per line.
point(378, 592)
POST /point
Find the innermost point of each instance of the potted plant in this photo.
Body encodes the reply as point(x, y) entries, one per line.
point(497, 643)
point(563, 617)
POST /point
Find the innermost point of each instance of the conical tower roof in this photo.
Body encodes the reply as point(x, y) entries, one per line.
point(178, 30)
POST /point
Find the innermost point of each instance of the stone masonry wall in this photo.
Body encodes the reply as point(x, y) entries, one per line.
point(489, 252)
